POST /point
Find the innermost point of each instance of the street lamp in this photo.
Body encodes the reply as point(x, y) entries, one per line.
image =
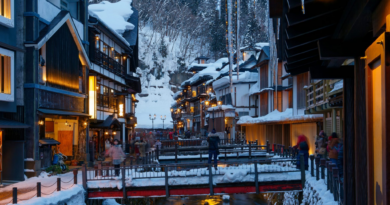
point(152, 119)
point(165, 117)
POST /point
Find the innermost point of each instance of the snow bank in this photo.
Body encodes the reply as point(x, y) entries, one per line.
point(337, 86)
point(276, 116)
point(226, 197)
point(72, 196)
point(110, 202)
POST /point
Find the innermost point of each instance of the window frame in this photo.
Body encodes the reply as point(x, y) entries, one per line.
point(3, 96)
point(9, 22)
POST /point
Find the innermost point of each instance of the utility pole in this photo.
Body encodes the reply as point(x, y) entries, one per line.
point(238, 39)
point(230, 46)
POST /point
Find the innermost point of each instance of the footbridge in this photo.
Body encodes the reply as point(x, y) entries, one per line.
point(156, 180)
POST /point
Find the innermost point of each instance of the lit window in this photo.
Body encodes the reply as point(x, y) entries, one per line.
point(6, 13)
point(6, 75)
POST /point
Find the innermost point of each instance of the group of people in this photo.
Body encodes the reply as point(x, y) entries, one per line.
point(326, 147)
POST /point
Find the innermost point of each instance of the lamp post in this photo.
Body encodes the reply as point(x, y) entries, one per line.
point(152, 119)
point(165, 117)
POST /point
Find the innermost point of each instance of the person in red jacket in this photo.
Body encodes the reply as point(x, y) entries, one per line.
point(171, 135)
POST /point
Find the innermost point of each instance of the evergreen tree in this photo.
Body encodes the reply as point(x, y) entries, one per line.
point(163, 48)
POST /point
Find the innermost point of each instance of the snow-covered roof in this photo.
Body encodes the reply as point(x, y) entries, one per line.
point(243, 77)
point(114, 16)
point(176, 94)
point(220, 107)
point(337, 87)
point(210, 70)
point(276, 116)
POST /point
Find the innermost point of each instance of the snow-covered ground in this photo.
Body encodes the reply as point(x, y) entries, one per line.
point(71, 194)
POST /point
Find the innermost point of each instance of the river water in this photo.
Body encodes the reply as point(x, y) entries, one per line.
point(244, 199)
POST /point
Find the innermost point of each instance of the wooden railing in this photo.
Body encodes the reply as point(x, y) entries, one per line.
point(108, 63)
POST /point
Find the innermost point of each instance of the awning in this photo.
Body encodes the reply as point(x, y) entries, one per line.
point(109, 123)
point(5, 123)
point(48, 141)
point(61, 112)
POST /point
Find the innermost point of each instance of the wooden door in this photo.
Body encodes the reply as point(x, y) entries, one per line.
point(66, 140)
point(378, 118)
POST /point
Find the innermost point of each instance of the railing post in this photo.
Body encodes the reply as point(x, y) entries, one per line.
point(274, 148)
point(176, 153)
point(327, 175)
point(335, 183)
point(317, 160)
point(225, 155)
point(283, 151)
point(166, 181)
point(14, 195)
point(323, 161)
point(38, 189)
point(267, 147)
point(157, 153)
point(84, 174)
point(257, 144)
point(211, 180)
point(250, 150)
point(99, 169)
point(75, 172)
point(201, 155)
point(131, 160)
point(303, 175)
point(331, 166)
point(146, 158)
point(58, 184)
point(312, 165)
point(124, 181)
point(256, 178)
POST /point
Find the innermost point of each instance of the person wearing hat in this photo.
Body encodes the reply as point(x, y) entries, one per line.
point(117, 155)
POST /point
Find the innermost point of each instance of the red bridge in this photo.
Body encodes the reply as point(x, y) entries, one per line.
point(154, 180)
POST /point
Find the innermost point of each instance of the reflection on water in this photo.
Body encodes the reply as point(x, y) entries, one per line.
point(245, 199)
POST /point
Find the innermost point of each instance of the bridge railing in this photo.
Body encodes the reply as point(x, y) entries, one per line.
point(200, 142)
point(205, 170)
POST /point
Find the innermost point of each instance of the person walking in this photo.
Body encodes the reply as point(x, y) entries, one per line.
point(141, 148)
point(117, 155)
point(321, 144)
point(303, 147)
point(171, 135)
point(213, 140)
point(336, 152)
point(188, 134)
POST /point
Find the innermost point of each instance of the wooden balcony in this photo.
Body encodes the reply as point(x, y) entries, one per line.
point(107, 63)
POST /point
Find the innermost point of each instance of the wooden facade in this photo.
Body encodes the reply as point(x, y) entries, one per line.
point(63, 68)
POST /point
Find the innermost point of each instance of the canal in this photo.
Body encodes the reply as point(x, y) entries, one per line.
point(247, 199)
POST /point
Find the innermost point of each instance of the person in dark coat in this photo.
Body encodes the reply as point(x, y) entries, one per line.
point(188, 134)
point(336, 152)
point(303, 147)
point(213, 140)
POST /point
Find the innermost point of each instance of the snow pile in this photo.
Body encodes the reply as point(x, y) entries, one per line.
point(234, 175)
point(276, 116)
point(337, 86)
point(226, 197)
point(113, 14)
point(158, 102)
point(72, 196)
point(110, 202)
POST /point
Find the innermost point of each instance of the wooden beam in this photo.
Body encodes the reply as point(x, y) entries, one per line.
point(307, 27)
point(313, 11)
point(361, 180)
point(300, 58)
point(305, 62)
point(323, 73)
point(302, 50)
point(336, 49)
point(306, 39)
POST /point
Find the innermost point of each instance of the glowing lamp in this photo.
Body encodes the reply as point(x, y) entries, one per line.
point(135, 125)
point(121, 106)
point(124, 57)
point(106, 133)
point(219, 102)
point(92, 96)
point(85, 124)
point(114, 133)
point(97, 37)
point(207, 103)
point(40, 122)
point(66, 123)
point(171, 109)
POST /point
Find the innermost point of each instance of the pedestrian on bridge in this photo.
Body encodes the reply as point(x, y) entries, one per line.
point(303, 146)
point(117, 155)
point(141, 148)
point(213, 140)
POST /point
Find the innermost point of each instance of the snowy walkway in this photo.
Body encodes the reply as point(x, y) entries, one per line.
point(27, 189)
